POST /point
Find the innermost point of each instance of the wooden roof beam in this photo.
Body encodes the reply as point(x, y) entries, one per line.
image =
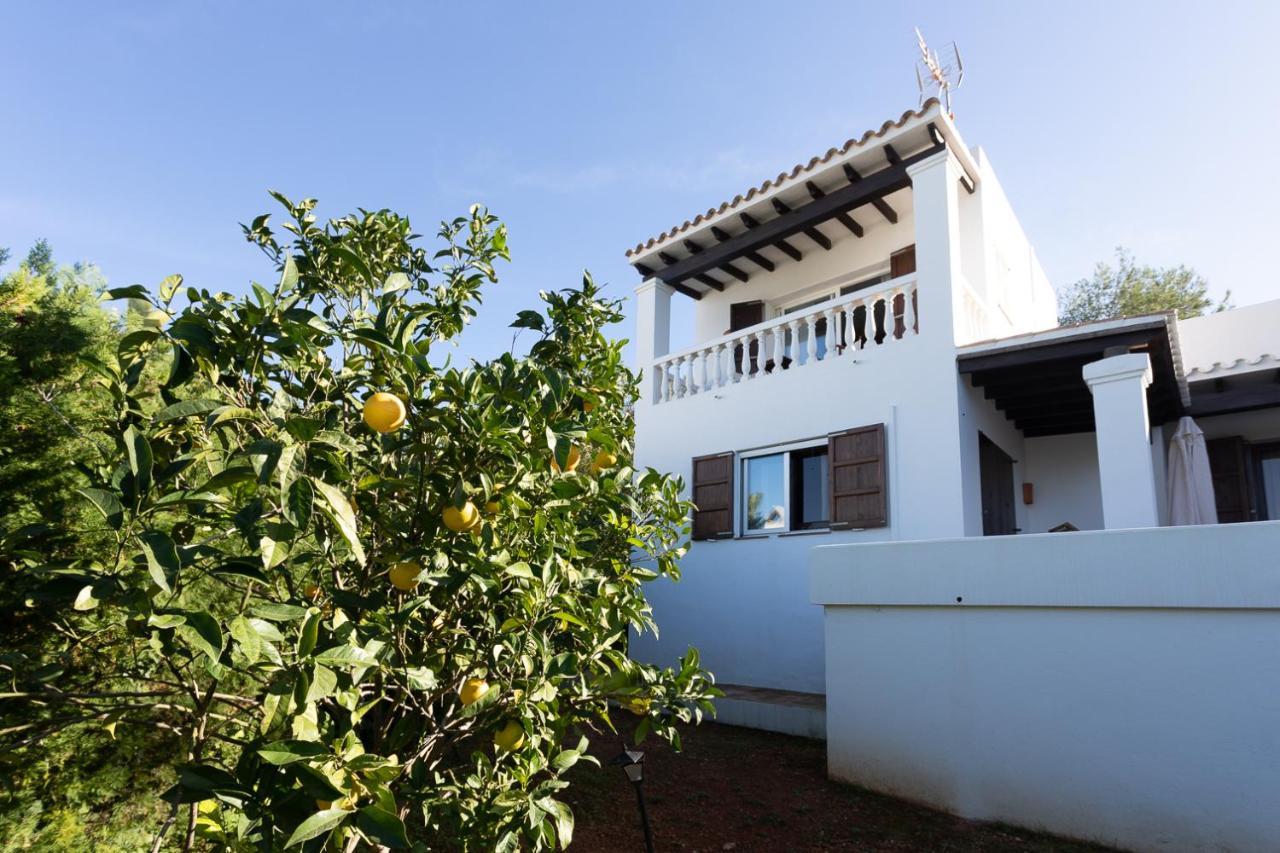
point(695, 249)
point(793, 222)
point(878, 203)
point(843, 218)
point(755, 257)
point(788, 249)
point(811, 231)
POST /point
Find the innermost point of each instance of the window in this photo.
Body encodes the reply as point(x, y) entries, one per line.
point(785, 491)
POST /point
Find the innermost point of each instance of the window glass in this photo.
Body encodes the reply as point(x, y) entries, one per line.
point(809, 490)
point(1271, 485)
point(766, 493)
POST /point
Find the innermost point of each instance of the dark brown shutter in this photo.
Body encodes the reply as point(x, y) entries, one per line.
point(859, 478)
point(741, 316)
point(903, 261)
point(713, 496)
point(1230, 478)
point(744, 314)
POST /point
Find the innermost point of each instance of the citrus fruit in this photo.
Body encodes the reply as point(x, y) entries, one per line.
point(459, 520)
point(473, 690)
point(404, 575)
point(493, 507)
point(575, 456)
point(510, 737)
point(603, 462)
point(384, 412)
point(311, 591)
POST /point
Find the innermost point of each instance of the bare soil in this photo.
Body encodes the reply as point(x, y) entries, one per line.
point(744, 790)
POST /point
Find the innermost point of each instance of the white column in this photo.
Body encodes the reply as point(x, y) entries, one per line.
point(1119, 388)
point(653, 332)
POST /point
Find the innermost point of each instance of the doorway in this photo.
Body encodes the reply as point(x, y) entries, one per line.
point(996, 472)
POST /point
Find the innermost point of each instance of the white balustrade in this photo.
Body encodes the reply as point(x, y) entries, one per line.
point(791, 341)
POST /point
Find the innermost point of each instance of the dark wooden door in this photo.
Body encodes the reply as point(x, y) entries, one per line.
point(1228, 465)
point(996, 472)
point(741, 316)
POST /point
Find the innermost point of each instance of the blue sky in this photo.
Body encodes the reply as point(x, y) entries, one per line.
point(139, 135)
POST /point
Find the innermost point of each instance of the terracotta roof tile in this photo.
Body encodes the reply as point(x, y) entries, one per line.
point(796, 171)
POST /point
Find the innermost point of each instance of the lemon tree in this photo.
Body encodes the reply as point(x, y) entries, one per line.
point(375, 594)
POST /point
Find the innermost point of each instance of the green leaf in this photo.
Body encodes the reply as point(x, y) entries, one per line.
point(284, 752)
point(107, 503)
point(320, 823)
point(169, 286)
point(162, 558)
point(338, 508)
point(298, 503)
point(133, 291)
point(288, 275)
point(85, 600)
point(310, 633)
point(225, 414)
point(382, 827)
point(241, 567)
point(520, 570)
point(166, 620)
point(184, 409)
point(247, 638)
point(324, 682)
point(140, 459)
point(202, 633)
point(395, 281)
point(279, 612)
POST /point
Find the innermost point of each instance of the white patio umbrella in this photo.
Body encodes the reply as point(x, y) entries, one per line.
point(1190, 481)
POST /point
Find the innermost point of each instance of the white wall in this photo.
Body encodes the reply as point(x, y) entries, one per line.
point(1063, 471)
point(1120, 686)
point(744, 603)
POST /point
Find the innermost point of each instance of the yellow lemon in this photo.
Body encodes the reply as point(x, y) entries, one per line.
point(384, 412)
point(473, 690)
point(572, 462)
point(603, 462)
point(404, 575)
point(588, 406)
point(638, 705)
point(459, 520)
point(510, 737)
point(493, 507)
point(324, 805)
point(311, 591)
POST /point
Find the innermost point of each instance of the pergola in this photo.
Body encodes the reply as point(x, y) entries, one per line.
point(783, 218)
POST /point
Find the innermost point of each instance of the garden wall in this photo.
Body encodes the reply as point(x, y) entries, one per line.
point(1121, 686)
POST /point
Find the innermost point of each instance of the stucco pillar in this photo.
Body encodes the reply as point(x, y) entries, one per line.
point(1119, 388)
point(928, 490)
point(653, 330)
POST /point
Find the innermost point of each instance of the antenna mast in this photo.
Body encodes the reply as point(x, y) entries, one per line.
point(935, 71)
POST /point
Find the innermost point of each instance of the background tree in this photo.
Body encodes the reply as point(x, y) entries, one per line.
point(1128, 290)
point(377, 597)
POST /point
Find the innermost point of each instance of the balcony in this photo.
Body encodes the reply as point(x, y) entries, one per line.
point(864, 320)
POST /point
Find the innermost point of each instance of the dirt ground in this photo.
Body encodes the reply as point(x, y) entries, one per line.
point(743, 790)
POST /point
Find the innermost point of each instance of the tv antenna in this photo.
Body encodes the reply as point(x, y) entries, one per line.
point(938, 72)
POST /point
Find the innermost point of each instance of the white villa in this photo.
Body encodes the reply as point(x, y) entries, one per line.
point(877, 360)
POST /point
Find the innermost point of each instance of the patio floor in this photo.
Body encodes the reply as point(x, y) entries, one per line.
point(745, 790)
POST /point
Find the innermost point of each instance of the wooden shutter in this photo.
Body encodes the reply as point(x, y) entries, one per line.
point(1230, 479)
point(741, 316)
point(713, 496)
point(859, 478)
point(903, 261)
point(744, 314)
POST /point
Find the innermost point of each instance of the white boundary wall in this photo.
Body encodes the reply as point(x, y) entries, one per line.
point(1121, 686)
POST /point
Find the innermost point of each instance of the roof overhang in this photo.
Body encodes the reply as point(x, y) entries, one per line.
point(803, 210)
point(1037, 381)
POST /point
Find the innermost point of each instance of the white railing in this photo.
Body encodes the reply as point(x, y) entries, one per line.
point(869, 318)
